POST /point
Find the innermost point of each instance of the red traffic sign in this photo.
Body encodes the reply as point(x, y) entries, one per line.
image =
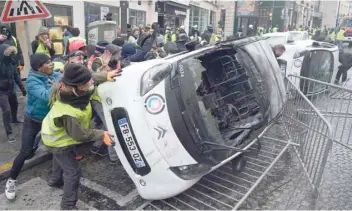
point(22, 10)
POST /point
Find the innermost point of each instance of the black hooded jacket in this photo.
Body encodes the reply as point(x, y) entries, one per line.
point(9, 73)
point(10, 41)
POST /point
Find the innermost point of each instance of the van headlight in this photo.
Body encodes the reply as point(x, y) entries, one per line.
point(189, 172)
point(154, 76)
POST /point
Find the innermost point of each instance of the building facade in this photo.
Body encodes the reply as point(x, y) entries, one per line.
point(329, 10)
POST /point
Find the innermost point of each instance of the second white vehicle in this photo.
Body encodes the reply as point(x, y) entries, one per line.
point(311, 59)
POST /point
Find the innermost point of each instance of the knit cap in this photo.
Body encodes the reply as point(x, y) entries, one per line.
point(76, 75)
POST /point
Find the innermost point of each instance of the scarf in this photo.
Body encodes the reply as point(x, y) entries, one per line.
point(80, 101)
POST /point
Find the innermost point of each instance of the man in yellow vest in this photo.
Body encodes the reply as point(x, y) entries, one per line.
point(275, 29)
point(75, 36)
point(42, 43)
point(340, 37)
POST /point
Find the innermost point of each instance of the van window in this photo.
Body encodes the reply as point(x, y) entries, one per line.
point(318, 65)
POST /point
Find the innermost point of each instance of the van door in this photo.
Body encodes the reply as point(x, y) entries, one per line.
point(318, 65)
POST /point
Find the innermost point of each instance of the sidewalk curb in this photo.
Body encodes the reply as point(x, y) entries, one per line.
point(41, 156)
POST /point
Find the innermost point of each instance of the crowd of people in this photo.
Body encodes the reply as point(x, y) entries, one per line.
point(62, 94)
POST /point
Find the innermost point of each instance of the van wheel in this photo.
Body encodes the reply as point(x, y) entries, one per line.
point(238, 164)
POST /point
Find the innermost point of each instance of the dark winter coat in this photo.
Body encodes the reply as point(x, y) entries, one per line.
point(207, 35)
point(9, 74)
point(10, 41)
point(128, 49)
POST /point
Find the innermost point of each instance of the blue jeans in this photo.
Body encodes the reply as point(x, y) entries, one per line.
point(30, 140)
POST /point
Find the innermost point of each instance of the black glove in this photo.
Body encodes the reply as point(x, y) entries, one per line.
point(24, 92)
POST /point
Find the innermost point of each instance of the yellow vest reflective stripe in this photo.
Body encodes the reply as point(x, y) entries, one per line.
point(54, 136)
point(42, 49)
point(15, 41)
point(340, 35)
point(95, 95)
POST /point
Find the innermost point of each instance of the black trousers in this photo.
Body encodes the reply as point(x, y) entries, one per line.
point(342, 71)
point(9, 106)
point(30, 140)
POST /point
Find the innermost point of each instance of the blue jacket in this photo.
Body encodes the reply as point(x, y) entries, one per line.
point(38, 89)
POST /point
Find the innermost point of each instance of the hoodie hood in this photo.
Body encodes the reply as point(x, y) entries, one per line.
point(128, 49)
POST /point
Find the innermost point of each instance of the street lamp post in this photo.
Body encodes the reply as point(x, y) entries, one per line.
point(337, 17)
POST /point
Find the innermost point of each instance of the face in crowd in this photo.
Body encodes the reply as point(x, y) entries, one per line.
point(47, 68)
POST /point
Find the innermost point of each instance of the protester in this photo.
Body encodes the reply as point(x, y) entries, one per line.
point(143, 34)
point(278, 50)
point(42, 43)
point(127, 50)
point(147, 44)
point(119, 41)
point(208, 33)
point(7, 38)
point(74, 40)
point(345, 59)
point(134, 36)
point(105, 63)
point(67, 35)
point(181, 42)
point(39, 83)
point(167, 35)
point(340, 37)
point(109, 60)
point(195, 34)
point(66, 125)
point(250, 31)
point(99, 50)
point(9, 75)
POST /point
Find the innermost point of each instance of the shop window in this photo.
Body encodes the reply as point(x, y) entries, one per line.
point(137, 17)
point(199, 17)
point(96, 12)
point(212, 18)
point(61, 17)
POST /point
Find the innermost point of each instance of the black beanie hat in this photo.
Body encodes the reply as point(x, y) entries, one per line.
point(76, 75)
point(38, 59)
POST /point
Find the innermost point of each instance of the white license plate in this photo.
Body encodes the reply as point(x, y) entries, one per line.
point(131, 144)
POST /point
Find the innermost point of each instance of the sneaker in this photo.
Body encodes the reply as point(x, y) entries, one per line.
point(10, 189)
point(101, 151)
point(78, 157)
point(11, 138)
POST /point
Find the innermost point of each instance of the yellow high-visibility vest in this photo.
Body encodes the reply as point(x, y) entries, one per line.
point(54, 136)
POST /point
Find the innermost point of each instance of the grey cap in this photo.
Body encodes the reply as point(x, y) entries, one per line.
point(43, 30)
point(113, 49)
